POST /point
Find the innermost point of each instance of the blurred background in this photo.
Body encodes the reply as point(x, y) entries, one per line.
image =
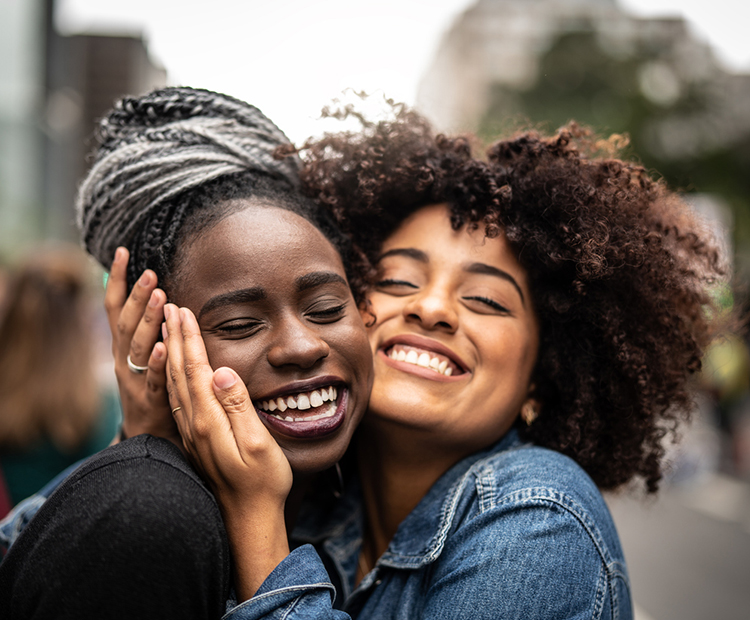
point(672, 74)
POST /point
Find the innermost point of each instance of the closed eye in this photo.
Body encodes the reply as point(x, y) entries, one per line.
point(488, 302)
point(239, 328)
point(390, 283)
point(328, 314)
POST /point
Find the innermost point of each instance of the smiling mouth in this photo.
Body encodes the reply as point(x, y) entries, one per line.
point(309, 406)
point(424, 359)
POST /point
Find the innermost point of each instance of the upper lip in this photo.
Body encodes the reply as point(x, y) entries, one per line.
point(428, 344)
point(303, 385)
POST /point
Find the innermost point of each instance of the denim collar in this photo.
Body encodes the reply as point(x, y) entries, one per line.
point(419, 539)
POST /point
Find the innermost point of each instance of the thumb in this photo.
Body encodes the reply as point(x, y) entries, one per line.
point(231, 392)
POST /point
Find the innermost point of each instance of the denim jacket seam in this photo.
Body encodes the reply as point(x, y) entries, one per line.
point(569, 505)
point(302, 589)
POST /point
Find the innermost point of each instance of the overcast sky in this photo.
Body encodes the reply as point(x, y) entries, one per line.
point(291, 57)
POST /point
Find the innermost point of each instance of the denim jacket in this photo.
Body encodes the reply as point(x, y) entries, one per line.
point(516, 531)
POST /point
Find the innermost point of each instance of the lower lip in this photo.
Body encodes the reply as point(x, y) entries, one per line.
point(314, 428)
point(420, 371)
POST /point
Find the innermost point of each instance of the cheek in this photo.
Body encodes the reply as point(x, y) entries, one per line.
point(239, 355)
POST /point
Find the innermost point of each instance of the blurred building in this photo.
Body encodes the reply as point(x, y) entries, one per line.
point(52, 90)
point(510, 63)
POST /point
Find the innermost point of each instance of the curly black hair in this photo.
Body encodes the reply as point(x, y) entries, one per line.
point(619, 269)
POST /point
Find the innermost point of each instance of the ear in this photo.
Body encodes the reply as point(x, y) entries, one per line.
point(531, 407)
point(530, 411)
point(367, 314)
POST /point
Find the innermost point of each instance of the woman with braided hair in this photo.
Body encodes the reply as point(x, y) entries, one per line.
point(187, 181)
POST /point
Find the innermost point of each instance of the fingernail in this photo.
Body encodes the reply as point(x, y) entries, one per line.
point(224, 378)
point(158, 351)
point(144, 279)
point(164, 332)
point(119, 254)
point(153, 301)
point(167, 311)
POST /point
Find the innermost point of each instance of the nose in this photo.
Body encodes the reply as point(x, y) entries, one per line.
point(433, 308)
point(297, 344)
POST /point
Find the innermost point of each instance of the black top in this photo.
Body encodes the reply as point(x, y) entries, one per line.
point(133, 533)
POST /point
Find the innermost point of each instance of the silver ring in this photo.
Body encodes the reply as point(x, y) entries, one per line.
point(139, 370)
point(175, 410)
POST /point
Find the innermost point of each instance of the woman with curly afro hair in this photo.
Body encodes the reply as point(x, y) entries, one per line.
point(535, 317)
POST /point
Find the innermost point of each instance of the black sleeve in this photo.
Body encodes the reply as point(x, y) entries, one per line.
point(132, 534)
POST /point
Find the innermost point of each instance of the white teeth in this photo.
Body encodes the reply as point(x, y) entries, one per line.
point(421, 359)
point(316, 398)
point(328, 413)
point(303, 402)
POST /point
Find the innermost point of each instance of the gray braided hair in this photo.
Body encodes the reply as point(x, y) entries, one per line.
point(155, 149)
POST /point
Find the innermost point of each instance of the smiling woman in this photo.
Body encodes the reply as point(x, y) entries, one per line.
point(188, 182)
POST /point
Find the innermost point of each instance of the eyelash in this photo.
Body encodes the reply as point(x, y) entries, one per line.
point(395, 283)
point(234, 328)
point(490, 302)
point(328, 313)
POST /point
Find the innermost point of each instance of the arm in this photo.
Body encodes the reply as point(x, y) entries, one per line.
point(225, 440)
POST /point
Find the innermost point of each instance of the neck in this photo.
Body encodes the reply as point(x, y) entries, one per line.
point(396, 471)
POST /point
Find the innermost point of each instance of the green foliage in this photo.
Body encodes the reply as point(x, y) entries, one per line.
point(637, 93)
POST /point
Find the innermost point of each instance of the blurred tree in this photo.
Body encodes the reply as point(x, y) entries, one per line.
point(681, 124)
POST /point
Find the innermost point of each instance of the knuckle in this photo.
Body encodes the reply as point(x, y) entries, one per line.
point(192, 370)
point(136, 350)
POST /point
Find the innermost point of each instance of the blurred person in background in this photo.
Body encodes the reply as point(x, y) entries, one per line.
point(53, 411)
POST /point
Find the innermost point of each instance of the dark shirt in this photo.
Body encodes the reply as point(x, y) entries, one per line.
point(132, 533)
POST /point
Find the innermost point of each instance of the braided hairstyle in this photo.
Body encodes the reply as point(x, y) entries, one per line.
point(174, 161)
point(618, 268)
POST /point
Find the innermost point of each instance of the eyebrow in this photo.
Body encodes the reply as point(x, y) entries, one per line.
point(489, 270)
point(245, 295)
point(478, 268)
point(408, 252)
point(318, 278)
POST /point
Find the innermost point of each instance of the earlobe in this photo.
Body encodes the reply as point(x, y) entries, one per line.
point(530, 411)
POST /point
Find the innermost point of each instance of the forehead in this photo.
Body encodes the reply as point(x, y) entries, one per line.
point(256, 246)
point(429, 229)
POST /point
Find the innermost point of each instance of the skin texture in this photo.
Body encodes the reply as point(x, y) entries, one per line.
point(437, 286)
point(465, 297)
point(283, 336)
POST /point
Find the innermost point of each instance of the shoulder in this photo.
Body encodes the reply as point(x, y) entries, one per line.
point(133, 518)
point(141, 491)
point(539, 531)
point(514, 481)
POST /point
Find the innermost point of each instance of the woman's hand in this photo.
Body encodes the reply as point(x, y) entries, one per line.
point(135, 323)
point(226, 441)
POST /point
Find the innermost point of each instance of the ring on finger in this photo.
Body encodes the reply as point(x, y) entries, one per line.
point(175, 410)
point(139, 370)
